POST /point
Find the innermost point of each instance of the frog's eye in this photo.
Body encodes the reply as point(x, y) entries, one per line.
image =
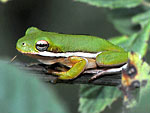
point(42, 45)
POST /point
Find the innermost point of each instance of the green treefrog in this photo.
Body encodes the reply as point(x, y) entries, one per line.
point(79, 52)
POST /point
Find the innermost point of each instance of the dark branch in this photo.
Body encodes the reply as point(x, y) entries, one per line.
point(40, 71)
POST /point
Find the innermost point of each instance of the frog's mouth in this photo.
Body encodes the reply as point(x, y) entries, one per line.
point(23, 52)
point(31, 54)
point(34, 55)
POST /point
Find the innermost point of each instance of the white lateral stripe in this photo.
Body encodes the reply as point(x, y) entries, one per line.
point(69, 54)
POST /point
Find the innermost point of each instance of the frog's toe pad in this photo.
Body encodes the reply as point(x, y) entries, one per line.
point(63, 75)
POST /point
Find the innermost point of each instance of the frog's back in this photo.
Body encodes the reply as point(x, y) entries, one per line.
point(83, 43)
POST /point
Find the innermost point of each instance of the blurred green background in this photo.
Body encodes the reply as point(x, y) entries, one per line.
point(64, 16)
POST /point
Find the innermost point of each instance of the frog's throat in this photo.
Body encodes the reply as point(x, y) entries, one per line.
point(69, 54)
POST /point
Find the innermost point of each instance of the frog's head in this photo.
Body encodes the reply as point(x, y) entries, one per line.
point(35, 41)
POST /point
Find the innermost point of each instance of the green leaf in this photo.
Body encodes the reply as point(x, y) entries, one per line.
point(120, 40)
point(142, 18)
point(144, 99)
point(94, 99)
point(122, 20)
point(140, 42)
point(21, 92)
point(113, 3)
point(137, 42)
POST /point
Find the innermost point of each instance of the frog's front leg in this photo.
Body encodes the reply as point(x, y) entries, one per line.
point(79, 64)
point(111, 58)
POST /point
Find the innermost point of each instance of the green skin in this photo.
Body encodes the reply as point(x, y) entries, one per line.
point(110, 55)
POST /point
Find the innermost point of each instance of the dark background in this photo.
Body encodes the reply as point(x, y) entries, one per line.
point(64, 16)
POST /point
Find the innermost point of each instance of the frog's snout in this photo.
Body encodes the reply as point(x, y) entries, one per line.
point(20, 45)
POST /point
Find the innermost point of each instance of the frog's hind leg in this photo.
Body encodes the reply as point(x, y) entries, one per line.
point(115, 70)
point(111, 58)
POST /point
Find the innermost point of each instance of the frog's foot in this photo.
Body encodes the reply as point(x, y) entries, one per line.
point(55, 69)
point(63, 75)
point(32, 64)
point(61, 69)
point(78, 66)
point(49, 71)
point(97, 75)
